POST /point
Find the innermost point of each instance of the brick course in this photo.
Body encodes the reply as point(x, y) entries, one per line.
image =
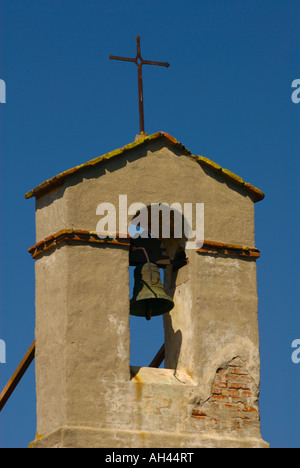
point(233, 401)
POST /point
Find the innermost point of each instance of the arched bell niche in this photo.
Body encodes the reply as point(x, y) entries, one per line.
point(154, 341)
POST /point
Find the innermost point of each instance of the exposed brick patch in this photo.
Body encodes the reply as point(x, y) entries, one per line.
point(233, 401)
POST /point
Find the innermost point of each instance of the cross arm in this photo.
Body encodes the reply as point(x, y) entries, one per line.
point(150, 62)
point(124, 59)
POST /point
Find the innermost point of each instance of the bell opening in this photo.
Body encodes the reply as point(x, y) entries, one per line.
point(146, 336)
point(154, 258)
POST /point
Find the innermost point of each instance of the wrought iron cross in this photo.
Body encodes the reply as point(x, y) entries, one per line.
point(139, 61)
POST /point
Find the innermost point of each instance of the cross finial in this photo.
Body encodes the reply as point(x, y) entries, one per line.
point(139, 61)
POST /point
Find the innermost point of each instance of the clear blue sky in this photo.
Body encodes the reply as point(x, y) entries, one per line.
point(226, 96)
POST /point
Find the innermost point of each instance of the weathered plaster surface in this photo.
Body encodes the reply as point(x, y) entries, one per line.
point(87, 394)
point(154, 174)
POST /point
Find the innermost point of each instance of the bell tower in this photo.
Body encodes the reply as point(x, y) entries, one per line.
point(88, 394)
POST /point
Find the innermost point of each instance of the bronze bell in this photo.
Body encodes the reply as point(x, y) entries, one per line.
point(149, 298)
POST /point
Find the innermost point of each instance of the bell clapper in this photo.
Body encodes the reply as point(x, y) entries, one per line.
point(148, 311)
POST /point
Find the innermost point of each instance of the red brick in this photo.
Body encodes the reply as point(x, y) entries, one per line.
point(230, 393)
point(220, 378)
point(198, 413)
point(237, 399)
point(220, 384)
point(219, 398)
point(250, 409)
point(237, 370)
point(238, 378)
point(233, 407)
point(238, 385)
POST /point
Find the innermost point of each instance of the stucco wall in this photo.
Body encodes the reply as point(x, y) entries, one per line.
point(154, 173)
point(87, 395)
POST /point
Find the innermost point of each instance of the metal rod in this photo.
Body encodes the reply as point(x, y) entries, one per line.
point(141, 100)
point(158, 359)
point(17, 375)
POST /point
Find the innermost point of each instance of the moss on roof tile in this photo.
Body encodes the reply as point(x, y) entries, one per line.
point(48, 184)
